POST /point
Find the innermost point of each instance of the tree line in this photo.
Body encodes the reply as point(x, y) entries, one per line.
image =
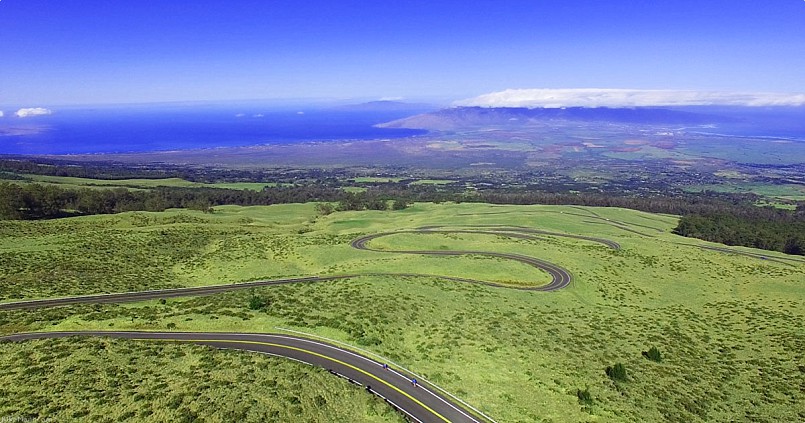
point(725, 218)
point(42, 201)
point(778, 232)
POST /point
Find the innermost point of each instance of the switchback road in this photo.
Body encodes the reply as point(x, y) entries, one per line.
point(419, 402)
point(560, 277)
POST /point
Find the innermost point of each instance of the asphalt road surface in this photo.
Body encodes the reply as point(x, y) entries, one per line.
point(420, 403)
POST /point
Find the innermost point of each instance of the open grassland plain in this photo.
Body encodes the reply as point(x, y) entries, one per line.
point(730, 328)
point(111, 380)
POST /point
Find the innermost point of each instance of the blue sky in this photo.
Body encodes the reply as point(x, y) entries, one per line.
point(92, 51)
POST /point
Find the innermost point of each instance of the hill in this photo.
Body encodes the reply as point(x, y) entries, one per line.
point(467, 117)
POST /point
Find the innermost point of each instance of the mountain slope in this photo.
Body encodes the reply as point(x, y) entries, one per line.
point(466, 117)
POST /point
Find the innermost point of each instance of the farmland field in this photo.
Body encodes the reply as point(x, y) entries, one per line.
point(729, 327)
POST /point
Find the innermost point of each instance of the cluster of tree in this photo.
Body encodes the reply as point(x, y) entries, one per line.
point(783, 232)
point(16, 168)
point(370, 200)
point(40, 201)
point(36, 201)
point(725, 218)
point(678, 204)
point(100, 170)
point(730, 219)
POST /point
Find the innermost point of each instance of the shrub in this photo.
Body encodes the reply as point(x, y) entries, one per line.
point(585, 398)
point(617, 372)
point(257, 302)
point(653, 354)
point(324, 209)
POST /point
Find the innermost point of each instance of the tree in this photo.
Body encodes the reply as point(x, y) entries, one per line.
point(399, 205)
point(794, 245)
point(323, 209)
point(11, 204)
point(350, 202)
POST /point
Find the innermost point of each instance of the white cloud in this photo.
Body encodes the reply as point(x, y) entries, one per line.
point(32, 111)
point(595, 97)
point(1, 113)
point(391, 99)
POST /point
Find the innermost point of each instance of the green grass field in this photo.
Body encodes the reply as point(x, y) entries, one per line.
point(731, 329)
point(375, 179)
point(432, 182)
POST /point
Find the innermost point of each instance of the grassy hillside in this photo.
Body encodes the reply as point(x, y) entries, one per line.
point(105, 380)
point(730, 328)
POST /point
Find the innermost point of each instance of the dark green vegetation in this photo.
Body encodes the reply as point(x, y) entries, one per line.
point(617, 372)
point(257, 302)
point(585, 398)
point(653, 354)
point(104, 380)
point(760, 228)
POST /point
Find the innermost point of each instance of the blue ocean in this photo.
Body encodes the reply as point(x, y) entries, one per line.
point(756, 122)
point(182, 127)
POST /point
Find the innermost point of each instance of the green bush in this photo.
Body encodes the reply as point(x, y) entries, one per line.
point(257, 302)
point(617, 372)
point(653, 354)
point(585, 398)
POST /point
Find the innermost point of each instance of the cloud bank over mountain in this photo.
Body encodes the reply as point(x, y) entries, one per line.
point(32, 111)
point(595, 97)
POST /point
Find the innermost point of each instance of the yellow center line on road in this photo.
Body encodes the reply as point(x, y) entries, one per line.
point(307, 352)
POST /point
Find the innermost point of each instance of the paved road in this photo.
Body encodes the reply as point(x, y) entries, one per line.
point(421, 403)
point(777, 259)
point(560, 277)
point(508, 230)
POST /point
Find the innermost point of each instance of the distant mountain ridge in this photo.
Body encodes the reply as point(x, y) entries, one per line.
point(463, 117)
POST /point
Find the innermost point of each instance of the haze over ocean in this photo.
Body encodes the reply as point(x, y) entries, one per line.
point(141, 129)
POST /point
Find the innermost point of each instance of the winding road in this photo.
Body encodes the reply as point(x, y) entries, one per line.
point(560, 277)
point(421, 403)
